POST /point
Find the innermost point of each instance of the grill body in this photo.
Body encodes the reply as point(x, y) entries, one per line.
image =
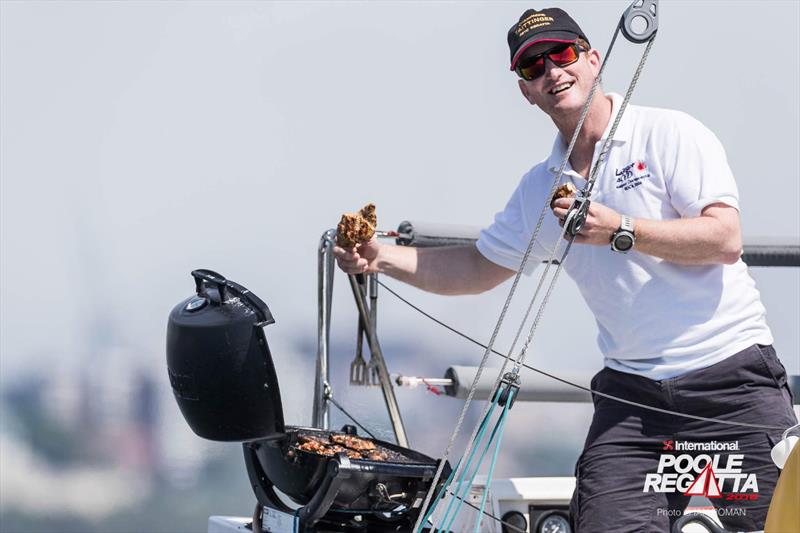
point(224, 381)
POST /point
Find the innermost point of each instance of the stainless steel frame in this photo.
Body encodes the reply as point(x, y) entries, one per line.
point(320, 414)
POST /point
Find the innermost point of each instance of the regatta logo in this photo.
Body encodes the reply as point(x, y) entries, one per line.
point(710, 475)
point(705, 485)
point(631, 175)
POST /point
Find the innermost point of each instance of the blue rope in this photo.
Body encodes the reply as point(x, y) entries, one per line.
point(494, 458)
point(464, 488)
point(443, 490)
point(432, 506)
point(460, 482)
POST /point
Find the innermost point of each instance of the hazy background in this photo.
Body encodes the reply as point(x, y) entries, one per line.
point(141, 140)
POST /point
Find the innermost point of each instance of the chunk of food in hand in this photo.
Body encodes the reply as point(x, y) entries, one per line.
point(369, 214)
point(357, 228)
point(567, 190)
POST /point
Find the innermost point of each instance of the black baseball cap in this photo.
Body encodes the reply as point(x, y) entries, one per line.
point(548, 25)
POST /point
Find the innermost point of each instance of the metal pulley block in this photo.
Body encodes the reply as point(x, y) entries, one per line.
point(640, 12)
point(509, 383)
point(576, 216)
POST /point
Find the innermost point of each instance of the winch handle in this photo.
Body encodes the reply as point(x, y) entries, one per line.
point(647, 10)
point(204, 276)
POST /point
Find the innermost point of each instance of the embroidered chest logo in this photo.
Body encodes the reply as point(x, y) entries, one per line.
point(630, 176)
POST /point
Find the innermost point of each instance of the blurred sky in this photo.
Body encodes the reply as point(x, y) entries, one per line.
point(141, 140)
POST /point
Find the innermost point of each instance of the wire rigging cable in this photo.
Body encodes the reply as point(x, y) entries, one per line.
point(501, 318)
point(571, 383)
point(573, 223)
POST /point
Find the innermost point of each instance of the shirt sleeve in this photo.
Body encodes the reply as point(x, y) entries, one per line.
point(701, 175)
point(504, 242)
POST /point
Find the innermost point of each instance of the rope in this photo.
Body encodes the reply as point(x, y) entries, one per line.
point(525, 257)
point(463, 414)
point(554, 187)
point(576, 385)
point(464, 484)
point(493, 463)
point(587, 192)
point(490, 515)
point(444, 489)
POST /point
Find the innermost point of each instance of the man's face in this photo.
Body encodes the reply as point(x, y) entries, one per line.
point(560, 91)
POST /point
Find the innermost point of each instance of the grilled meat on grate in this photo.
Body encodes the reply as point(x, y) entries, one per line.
point(354, 447)
point(378, 456)
point(312, 444)
point(353, 442)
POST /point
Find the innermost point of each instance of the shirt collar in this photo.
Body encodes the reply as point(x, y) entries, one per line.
point(622, 135)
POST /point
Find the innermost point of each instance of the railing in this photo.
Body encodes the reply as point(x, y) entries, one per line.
point(756, 253)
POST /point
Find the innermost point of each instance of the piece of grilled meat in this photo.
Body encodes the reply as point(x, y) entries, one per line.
point(353, 442)
point(357, 228)
point(568, 190)
point(354, 447)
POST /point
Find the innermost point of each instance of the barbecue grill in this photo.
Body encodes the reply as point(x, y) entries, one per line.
point(224, 381)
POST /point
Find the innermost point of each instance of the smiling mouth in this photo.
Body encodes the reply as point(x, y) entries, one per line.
point(561, 87)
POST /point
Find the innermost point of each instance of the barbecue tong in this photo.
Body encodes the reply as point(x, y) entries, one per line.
point(365, 373)
point(358, 368)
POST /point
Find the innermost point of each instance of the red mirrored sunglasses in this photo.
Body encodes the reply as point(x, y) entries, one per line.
point(562, 55)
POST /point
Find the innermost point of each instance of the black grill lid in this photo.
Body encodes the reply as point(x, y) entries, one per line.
point(219, 363)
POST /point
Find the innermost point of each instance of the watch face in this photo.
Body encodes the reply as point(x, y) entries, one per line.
point(623, 242)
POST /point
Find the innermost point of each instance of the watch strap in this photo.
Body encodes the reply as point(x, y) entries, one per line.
point(626, 224)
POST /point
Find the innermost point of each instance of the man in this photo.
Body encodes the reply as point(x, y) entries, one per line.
point(681, 325)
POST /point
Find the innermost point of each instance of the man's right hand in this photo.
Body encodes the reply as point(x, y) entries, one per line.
point(358, 259)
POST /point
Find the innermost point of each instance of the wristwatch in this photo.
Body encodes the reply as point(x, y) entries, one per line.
point(624, 238)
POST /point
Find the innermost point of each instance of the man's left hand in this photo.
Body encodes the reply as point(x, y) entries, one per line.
point(600, 225)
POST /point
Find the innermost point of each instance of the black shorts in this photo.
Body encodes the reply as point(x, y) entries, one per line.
point(637, 464)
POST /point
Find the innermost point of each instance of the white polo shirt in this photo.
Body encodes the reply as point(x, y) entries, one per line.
point(655, 318)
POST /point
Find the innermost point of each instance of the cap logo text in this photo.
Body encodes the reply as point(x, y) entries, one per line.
point(537, 20)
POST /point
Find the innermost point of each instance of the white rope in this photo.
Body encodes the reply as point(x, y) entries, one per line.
point(521, 358)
